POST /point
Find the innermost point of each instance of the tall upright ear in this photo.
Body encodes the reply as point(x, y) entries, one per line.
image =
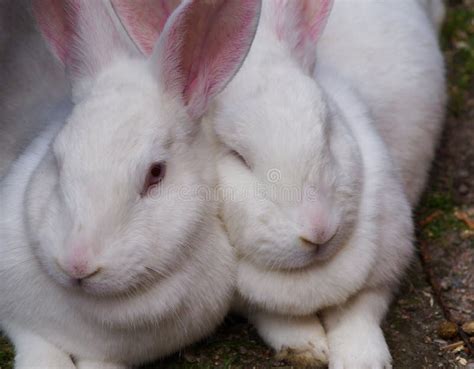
point(144, 20)
point(54, 21)
point(300, 23)
point(202, 47)
point(84, 34)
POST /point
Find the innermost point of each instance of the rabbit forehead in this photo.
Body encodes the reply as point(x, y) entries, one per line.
point(281, 121)
point(126, 119)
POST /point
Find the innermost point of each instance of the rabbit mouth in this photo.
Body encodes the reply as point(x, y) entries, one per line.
point(301, 254)
point(110, 288)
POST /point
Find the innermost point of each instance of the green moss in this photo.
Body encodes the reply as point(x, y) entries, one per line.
point(440, 207)
point(458, 43)
point(445, 223)
point(436, 201)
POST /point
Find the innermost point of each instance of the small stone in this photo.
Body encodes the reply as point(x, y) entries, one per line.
point(447, 330)
point(461, 361)
point(468, 328)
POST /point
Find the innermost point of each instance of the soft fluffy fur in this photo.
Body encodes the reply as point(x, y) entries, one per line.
point(74, 201)
point(336, 160)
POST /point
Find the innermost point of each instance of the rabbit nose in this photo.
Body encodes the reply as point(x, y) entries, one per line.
point(317, 237)
point(78, 269)
point(317, 225)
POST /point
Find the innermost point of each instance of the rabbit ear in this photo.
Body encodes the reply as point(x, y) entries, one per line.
point(202, 47)
point(82, 33)
point(300, 23)
point(53, 20)
point(144, 20)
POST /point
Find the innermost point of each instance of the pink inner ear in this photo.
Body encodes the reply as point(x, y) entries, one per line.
point(301, 23)
point(205, 46)
point(53, 21)
point(214, 56)
point(306, 17)
point(82, 33)
point(144, 20)
point(317, 14)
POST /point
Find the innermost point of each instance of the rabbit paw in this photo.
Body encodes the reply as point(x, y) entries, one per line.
point(359, 347)
point(33, 351)
point(311, 356)
point(297, 340)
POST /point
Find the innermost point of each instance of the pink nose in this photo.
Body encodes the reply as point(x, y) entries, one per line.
point(78, 269)
point(318, 220)
point(318, 237)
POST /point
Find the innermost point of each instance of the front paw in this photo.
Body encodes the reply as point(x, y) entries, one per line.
point(311, 355)
point(298, 340)
point(361, 346)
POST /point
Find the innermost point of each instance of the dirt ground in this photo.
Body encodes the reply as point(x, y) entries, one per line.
point(440, 284)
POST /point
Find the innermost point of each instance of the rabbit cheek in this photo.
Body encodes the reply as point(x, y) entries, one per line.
point(279, 246)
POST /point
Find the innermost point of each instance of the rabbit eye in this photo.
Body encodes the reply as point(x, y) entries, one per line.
point(155, 175)
point(240, 157)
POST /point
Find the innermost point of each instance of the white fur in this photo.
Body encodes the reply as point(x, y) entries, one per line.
point(354, 334)
point(166, 271)
point(355, 144)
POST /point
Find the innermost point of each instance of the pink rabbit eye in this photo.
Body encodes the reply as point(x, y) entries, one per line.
point(156, 173)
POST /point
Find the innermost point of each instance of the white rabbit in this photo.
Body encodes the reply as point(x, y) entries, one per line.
point(313, 200)
point(111, 255)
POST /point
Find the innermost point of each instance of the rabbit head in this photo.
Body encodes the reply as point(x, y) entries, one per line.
point(291, 172)
point(119, 202)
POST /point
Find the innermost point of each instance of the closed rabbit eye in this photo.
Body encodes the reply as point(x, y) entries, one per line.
point(239, 156)
point(155, 175)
